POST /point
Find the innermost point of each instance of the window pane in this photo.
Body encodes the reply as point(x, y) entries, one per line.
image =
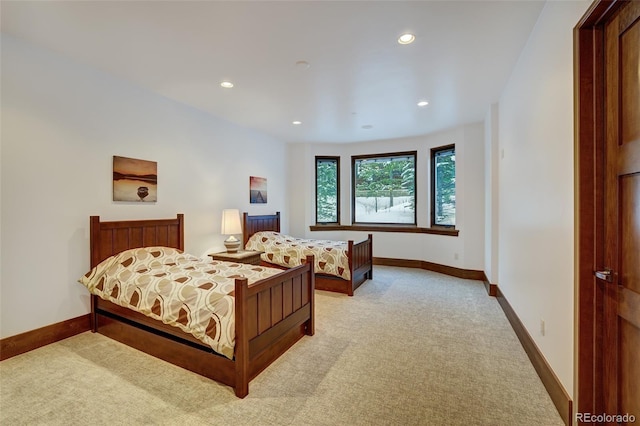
point(445, 187)
point(385, 189)
point(327, 190)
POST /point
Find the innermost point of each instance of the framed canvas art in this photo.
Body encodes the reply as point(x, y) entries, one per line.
point(135, 180)
point(257, 190)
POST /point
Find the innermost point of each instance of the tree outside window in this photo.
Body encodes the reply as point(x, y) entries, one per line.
point(443, 186)
point(327, 189)
point(384, 188)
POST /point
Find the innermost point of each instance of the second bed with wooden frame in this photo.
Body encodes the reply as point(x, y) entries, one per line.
point(271, 314)
point(360, 255)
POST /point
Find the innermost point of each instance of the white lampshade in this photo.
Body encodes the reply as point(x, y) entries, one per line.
point(231, 222)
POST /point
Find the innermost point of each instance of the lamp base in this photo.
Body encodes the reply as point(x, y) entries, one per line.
point(232, 244)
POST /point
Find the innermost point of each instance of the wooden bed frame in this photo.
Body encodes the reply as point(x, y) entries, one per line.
point(271, 315)
point(360, 255)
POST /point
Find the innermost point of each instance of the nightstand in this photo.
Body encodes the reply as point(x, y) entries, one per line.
point(241, 256)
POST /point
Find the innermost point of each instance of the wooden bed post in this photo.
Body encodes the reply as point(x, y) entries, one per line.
point(311, 329)
point(94, 315)
point(370, 274)
point(94, 250)
point(180, 217)
point(351, 271)
point(94, 240)
point(242, 338)
point(245, 231)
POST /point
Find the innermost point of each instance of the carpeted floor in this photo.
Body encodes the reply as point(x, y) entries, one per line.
point(412, 347)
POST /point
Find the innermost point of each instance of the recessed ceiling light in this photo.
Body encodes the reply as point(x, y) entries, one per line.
point(226, 84)
point(423, 103)
point(296, 122)
point(303, 64)
point(367, 126)
point(406, 38)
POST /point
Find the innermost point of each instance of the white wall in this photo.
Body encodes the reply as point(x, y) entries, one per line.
point(62, 123)
point(468, 246)
point(491, 194)
point(299, 198)
point(536, 186)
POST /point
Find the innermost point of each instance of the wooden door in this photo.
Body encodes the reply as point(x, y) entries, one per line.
point(620, 274)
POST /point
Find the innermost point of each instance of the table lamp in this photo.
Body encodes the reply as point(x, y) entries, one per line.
point(231, 226)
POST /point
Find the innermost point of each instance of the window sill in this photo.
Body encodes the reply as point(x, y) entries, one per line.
point(387, 228)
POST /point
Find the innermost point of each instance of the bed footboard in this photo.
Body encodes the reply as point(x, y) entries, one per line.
point(360, 259)
point(361, 262)
point(271, 315)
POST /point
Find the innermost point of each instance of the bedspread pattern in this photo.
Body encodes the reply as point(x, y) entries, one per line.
point(330, 256)
point(179, 289)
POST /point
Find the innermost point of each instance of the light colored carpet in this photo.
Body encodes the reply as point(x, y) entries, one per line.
point(412, 347)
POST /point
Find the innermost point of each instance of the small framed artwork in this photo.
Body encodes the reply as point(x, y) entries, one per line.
point(257, 190)
point(135, 180)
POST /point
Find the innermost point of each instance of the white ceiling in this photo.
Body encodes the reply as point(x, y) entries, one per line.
point(358, 75)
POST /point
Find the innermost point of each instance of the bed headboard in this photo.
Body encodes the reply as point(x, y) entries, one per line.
point(109, 238)
point(253, 224)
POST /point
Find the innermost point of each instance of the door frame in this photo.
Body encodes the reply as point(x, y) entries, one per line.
point(589, 149)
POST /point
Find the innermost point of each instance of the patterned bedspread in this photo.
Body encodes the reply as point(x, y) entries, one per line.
point(176, 288)
point(330, 256)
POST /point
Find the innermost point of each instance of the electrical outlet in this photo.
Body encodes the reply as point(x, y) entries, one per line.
point(542, 329)
point(455, 256)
